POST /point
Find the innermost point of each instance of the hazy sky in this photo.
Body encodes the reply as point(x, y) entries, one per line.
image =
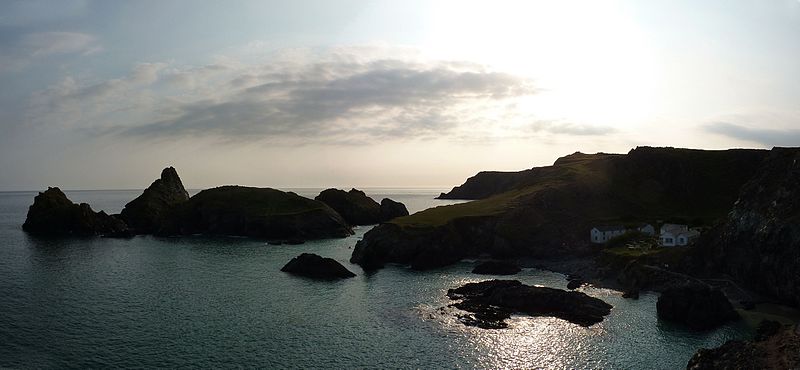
point(104, 94)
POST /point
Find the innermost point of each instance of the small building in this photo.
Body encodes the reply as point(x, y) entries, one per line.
point(676, 235)
point(602, 234)
point(647, 229)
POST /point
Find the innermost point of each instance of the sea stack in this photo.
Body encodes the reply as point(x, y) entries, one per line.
point(146, 213)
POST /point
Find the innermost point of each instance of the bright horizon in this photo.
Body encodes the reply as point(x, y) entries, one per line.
point(312, 94)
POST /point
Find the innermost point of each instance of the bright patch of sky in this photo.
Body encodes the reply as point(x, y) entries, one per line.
point(102, 94)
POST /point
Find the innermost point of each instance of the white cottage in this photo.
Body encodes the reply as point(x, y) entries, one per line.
point(674, 234)
point(602, 234)
point(647, 229)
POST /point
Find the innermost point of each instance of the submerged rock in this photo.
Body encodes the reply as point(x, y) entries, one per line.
point(493, 301)
point(146, 213)
point(255, 212)
point(496, 268)
point(697, 306)
point(316, 267)
point(52, 213)
point(775, 347)
point(391, 209)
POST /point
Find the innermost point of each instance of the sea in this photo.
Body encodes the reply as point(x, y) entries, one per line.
point(222, 302)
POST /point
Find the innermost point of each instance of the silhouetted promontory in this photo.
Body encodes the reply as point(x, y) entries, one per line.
point(52, 213)
point(548, 211)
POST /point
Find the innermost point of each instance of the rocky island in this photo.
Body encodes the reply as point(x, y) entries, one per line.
point(316, 267)
point(52, 213)
point(359, 209)
point(491, 302)
point(166, 209)
point(254, 212)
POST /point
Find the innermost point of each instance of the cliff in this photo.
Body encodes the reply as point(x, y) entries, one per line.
point(758, 243)
point(550, 210)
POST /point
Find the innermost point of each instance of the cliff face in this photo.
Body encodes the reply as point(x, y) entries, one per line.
point(759, 242)
point(146, 213)
point(52, 213)
point(550, 210)
point(775, 347)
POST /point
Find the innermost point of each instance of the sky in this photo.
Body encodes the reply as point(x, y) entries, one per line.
point(104, 94)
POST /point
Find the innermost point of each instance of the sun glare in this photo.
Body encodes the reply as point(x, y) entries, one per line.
point(591, 62)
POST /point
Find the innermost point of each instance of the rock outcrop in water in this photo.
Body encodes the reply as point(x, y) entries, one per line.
point(547, 211)
point(491, 302)
point(254, 212)
point(316, 267)
point(758, 244)
point(52, 213)
point(359, 209)
point(391, 209)
point(697, 306)
point(146, 213)
point(775, 347)
point(496, 268)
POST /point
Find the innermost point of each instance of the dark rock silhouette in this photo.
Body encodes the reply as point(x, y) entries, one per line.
point(697, 306)
point(354, 206)
point(52, 213)
point(546, 212)
point(493, 301)
point(758, 244)
point(574, 284)
point(496, 268)
point(146, 213)
point(359, 209)
point(316, 267)
point(775, 346)
point(391, 209)
point(255, 212)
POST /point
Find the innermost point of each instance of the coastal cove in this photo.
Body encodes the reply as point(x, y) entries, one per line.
point(222, 301)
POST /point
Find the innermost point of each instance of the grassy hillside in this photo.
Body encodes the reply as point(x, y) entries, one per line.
point(549, 211)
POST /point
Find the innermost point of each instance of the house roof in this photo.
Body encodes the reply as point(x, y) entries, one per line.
point(674, 228)
point(605, 228)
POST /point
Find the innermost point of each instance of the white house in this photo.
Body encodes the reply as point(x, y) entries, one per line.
point(647, 229)
point(602, 234)
point(674, 234)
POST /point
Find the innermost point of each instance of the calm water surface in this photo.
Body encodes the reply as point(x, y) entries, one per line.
point(223, 302)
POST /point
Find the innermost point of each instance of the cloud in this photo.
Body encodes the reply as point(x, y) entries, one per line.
point(340, 96)
point(569, 128)
point(49, 43)
point(18, 51)
point(767, 137)
point(334, 101)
